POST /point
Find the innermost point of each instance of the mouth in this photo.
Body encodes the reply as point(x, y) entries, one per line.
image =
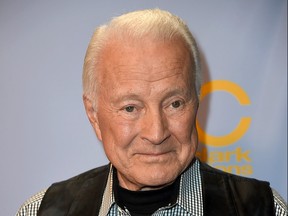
point(154, 156)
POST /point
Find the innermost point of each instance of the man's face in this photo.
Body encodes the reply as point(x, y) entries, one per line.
point(146, 109)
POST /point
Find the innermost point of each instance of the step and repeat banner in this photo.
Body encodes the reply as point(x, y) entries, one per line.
point(45, 135)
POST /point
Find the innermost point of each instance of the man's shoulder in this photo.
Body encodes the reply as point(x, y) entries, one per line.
point(32, 205)
point(62, 196)
point(239, 193)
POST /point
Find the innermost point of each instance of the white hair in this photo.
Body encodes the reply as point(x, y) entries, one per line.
point(154, 23)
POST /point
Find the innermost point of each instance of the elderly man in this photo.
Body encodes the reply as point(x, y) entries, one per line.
point(141, 85)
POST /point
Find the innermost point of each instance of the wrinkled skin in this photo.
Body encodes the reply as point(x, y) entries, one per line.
point(146, 110)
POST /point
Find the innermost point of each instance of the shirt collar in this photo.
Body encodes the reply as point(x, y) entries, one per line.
point(108, 197)
point(190, 194)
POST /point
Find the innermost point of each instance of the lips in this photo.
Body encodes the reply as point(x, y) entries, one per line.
point(154, 153)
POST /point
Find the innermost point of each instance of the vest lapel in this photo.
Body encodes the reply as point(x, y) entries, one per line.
point(89, 199)
point(216, 197)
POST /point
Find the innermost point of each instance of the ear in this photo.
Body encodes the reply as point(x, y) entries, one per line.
point(92, 116)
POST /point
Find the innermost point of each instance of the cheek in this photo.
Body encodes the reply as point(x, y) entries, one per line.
point(182, 127)
point(116, 134)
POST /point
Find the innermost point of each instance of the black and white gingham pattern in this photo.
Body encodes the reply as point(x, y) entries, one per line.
point(31, 206)
point(190, 195)
point(280, 205)
point(190, 189)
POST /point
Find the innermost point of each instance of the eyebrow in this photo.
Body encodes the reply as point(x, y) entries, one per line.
point(125, 97)
point(177, 91)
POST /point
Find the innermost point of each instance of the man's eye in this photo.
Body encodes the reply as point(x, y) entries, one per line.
point(176, 104)
point(129, 109)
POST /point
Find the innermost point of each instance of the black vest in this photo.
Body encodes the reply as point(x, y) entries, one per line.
point(223, 194)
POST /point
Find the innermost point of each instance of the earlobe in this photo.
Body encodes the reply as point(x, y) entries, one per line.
point(92, 116)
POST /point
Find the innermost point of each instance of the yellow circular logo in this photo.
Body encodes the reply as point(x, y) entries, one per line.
point(244, 123)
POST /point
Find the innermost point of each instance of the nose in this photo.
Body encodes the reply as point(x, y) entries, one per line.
point(154, 127)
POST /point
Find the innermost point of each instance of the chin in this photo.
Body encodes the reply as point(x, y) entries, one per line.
point(159, 178)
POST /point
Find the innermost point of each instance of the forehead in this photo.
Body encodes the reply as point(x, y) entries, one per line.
point(144, 59)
